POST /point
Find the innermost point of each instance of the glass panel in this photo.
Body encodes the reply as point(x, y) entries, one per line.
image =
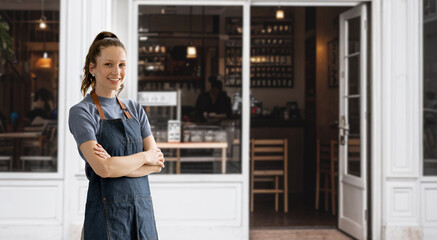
point(429, 88)
point(354, 75)
point(354, 34)
point(198, 63)
point(354, 116)
point(354, 156)
point(29, 57)
point(354, 160)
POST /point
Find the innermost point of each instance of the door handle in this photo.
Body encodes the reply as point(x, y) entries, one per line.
point(343, 130)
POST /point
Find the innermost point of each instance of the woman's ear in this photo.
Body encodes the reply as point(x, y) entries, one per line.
point(91, 67)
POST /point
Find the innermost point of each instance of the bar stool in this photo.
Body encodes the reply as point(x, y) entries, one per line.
point(327, 165)
point(269, 151)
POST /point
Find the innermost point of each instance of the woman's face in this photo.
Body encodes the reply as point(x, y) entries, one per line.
point(109, 70)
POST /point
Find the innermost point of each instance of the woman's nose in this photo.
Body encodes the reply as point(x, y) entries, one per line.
point(116, 71)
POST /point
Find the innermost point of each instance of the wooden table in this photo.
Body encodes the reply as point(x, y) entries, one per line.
point(194, 145)
point(18, 137)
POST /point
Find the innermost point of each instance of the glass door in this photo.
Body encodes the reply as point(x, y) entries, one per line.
point(353, 122)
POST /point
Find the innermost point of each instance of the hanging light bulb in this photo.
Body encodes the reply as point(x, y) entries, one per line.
point(42, 23)
point(280, 13)
point(191, 51)
point(42, 20)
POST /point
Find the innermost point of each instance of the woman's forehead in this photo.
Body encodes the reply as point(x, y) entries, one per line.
point(112, 53)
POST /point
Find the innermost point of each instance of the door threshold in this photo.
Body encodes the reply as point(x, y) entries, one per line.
point(297, 234)
point(296, 228)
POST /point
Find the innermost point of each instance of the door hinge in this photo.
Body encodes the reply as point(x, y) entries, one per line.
point(365, 214)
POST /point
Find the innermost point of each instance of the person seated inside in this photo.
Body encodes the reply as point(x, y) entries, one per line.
point(42, 105)
point(214, 104)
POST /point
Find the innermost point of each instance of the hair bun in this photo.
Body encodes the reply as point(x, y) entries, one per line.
point(104, 34)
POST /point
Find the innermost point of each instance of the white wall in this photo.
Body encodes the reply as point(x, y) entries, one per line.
point(409, 210)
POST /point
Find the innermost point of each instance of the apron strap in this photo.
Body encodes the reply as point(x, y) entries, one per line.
point(97, 102)
point(99, 106)
point(126, 112)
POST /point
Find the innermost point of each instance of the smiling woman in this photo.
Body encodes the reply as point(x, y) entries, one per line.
point(109, 70)
point(115, 140)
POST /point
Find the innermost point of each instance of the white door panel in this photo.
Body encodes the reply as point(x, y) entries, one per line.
point(353, 122)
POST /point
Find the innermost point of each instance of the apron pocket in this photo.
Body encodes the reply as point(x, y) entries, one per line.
point(145, 218)
point(120, 217)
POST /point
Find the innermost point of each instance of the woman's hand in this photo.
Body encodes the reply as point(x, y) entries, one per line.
point(101, 152)
point(154, 156)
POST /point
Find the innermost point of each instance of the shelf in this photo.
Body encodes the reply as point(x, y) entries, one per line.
point(168, 78)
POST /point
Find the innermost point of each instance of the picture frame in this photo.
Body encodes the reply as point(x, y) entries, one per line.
point(333, 63)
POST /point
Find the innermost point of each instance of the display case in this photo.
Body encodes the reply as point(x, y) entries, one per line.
point(272, 62)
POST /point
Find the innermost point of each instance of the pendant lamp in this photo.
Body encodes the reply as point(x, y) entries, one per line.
point(42, 20)
point(191, 49)
point(44, 61)
point(280, 13)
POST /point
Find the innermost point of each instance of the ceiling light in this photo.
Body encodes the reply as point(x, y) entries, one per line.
point(280, 14)
point(42, 21)
point(191, 51)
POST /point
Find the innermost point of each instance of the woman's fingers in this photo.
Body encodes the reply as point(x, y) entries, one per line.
point(101, 152)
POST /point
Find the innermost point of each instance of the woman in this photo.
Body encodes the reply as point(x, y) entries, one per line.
point(115, 140)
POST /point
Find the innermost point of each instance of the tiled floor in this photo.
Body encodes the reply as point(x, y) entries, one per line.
point(297, 234)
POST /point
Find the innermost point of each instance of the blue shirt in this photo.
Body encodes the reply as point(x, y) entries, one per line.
point(84, 119)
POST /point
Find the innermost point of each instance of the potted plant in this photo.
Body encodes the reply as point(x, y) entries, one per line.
point(6, 45)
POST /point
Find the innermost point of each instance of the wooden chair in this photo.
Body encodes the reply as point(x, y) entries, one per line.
point(273, 153)
point(327, 165)
point(48, 149)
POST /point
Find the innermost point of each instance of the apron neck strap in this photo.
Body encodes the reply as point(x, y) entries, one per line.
point(99, 106)
point(126, 112)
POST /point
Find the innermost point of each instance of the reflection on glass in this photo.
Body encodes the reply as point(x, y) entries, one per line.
point(354, 34)
point(354, 156)
point(354, 75)
point(29, 91)
point(207, 105)
point(429, 89)
point(354, 116)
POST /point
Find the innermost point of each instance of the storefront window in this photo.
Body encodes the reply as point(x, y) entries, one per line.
point(429, 87)
point(29, 57)
point(189, 83)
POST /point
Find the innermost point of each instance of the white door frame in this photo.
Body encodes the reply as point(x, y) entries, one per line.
point(375, 80)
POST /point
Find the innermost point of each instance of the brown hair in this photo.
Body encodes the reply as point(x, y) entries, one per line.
point(102, 40)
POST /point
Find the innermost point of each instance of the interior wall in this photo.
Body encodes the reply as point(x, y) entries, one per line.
point(271, 97)
point(327, 98)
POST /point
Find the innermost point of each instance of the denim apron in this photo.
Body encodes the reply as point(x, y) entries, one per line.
point(118, 208)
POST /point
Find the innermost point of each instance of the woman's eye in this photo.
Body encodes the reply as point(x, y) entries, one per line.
point(122, 65)
point(108, 64)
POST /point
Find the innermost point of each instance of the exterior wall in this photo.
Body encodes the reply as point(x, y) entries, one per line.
point(55, 209)
point(186, 206)
point(408, 198)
